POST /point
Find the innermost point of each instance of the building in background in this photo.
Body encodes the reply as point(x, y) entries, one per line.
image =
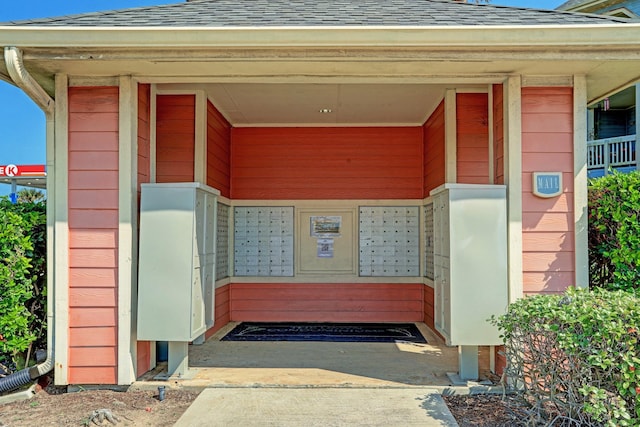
point(613, 139)
point(28, 176)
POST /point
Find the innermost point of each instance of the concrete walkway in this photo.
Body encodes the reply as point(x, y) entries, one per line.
point(321, 407)
point(319, 383)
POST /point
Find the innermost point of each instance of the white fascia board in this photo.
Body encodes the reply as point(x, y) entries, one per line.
point(526, 36)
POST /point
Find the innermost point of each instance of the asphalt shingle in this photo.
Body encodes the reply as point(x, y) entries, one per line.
point(295, 13)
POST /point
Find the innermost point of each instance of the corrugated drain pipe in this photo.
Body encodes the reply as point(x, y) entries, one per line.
point(22, 79)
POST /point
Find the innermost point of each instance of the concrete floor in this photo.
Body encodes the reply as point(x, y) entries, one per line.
point(318, 364)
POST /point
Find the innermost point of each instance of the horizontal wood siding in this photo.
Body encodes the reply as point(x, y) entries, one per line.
point(429, 307)
point(472, 136)
point(93, 234)
point(175, 137)
point(547, 224)
point(327, 302)
point(222, 311)
point(433, 131)
point(218, 151)
point(498, 134)
point(326, 163)
point(143, 354)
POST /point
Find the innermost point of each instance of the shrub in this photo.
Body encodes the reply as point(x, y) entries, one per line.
point(576, 356)
point(22, 280)
point(614, 231)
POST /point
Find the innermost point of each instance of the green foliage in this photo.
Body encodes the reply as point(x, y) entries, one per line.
point(22, 279)
point(614, 231)
point(576, 356)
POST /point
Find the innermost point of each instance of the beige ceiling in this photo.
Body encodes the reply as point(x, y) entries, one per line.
point(285, 104)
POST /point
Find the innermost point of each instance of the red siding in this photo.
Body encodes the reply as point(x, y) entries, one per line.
point(547, 224)
point(143, 353)
point(327, 302)
point(429, 308)
point(93, 234)
point(472, 135)
point(434, 173)
point(326, 163)
point(218, 151)
point(222, 310)
point(175, 138)
point(498, 134)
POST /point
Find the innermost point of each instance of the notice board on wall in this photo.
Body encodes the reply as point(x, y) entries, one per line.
point(326, 241)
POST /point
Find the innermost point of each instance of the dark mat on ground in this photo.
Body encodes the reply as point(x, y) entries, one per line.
point(332, 332)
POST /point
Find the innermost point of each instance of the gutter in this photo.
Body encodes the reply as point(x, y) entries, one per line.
point(21, 78)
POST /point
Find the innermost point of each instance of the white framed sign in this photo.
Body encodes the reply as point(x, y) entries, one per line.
point(547, 184)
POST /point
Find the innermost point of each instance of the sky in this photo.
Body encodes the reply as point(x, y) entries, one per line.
point(22, 123)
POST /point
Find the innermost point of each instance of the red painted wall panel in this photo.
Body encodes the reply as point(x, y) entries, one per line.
point(143, 348)
point(222, 310)
point(327, 302)
point(472, 135)
point(175, 138)
point(93, 231)
point(433, 130)
point(326, 163)
point(429, 307)
point(547, 224)
point(218, 151)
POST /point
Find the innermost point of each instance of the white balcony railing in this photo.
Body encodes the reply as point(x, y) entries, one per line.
point(612, 153)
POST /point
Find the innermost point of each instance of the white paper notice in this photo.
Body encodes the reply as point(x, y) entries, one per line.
point(325, 248)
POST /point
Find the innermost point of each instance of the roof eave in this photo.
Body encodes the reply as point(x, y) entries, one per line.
point(532, 36)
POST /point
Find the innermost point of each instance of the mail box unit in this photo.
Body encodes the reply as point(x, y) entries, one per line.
point(470, 261)
point(176, 284)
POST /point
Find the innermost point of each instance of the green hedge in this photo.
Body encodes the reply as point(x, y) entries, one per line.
point(22, 281)
point(614, 231)
point(576, 356)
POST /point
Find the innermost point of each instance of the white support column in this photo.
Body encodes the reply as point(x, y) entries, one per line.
point(450, 137)
point(58, 182)
point(513, 180)
point(127, 218)
point(200, 151)
point(580, 181)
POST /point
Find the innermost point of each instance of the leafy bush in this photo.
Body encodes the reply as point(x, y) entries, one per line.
point(576, 356)
point(614, 231)
point(22, 280)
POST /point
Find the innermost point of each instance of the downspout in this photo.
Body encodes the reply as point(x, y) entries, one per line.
point(22, 79)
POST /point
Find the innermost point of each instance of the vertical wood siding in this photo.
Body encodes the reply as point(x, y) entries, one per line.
point(327, 302)
point(472, 135)
point(547, 224)
point(93, 234)
point(222, 312)
point(433, 130)
point(218, 151)
point(326, 163)
point(175, 137)
point(498, 134)
point(143, 354)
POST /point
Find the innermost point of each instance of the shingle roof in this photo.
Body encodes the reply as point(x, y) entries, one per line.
point(292, 13)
